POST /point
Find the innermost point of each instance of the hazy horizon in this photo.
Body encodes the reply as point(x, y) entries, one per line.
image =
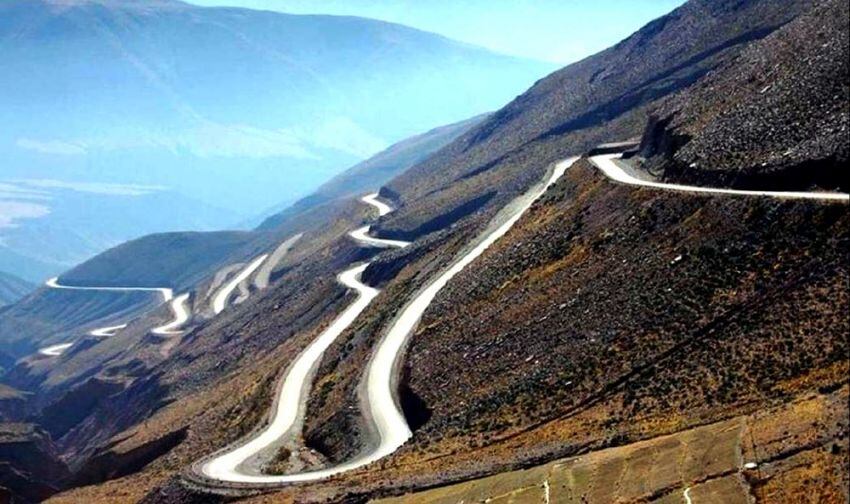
point(529, 29)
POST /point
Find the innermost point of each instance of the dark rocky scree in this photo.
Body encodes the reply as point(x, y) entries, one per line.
point(775, 117)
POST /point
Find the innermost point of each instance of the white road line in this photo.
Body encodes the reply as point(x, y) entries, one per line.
point(614, 172)
point(166, 293)
point(687, 495)
point(261, 279)
point(105, 332)
point(546, 491)
point(55, 350)
point(181, 315)
point(220, 300)
point(372, 199)
point(361, 235)
point(390, 422)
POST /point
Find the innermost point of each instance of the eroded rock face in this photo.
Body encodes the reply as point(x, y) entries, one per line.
point(61, 416)
point(30, 468)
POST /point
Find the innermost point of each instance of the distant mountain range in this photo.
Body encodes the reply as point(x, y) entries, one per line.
point(199, 118)
point(13, 288)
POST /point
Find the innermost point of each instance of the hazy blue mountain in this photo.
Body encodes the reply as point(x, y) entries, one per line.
point(79, 220)
point(181, 260)
point(374, 172)
point(13, 288)
point(233, 109)
point(239, 108)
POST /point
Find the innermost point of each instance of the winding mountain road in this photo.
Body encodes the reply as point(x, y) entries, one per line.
point(55, 350)
point(263, 276)
point(393, 431)
point(606, 163)
point(105, 332)
point(380, 380)
point(361, 235)
point(178, 307)
point(181, 315)
point(372, 199)
point(292, 397)
point(167, 294)
point(220, 300)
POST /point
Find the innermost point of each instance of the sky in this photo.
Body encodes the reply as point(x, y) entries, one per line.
point(560, 31)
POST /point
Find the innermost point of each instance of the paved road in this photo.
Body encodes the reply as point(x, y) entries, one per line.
point(261, 279)
point(361, 235)
point(220, 300)
point(292, 395)
point(55, 350)
point(228, 465)
point(181, 315)
point(372, 199)
point(615, 172)
point(380, 386)
point(392, 427)
point(105, 332)
point(166, 293)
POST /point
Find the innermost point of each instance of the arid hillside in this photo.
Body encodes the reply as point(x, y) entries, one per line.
point(610, 320)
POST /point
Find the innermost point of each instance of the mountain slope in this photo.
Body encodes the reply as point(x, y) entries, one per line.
point(377, 170)
point(582, 105)
point(775, 117)
point(13, 288)
point(608, 314)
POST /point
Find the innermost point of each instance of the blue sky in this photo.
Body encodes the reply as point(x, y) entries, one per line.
point(560, 31)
